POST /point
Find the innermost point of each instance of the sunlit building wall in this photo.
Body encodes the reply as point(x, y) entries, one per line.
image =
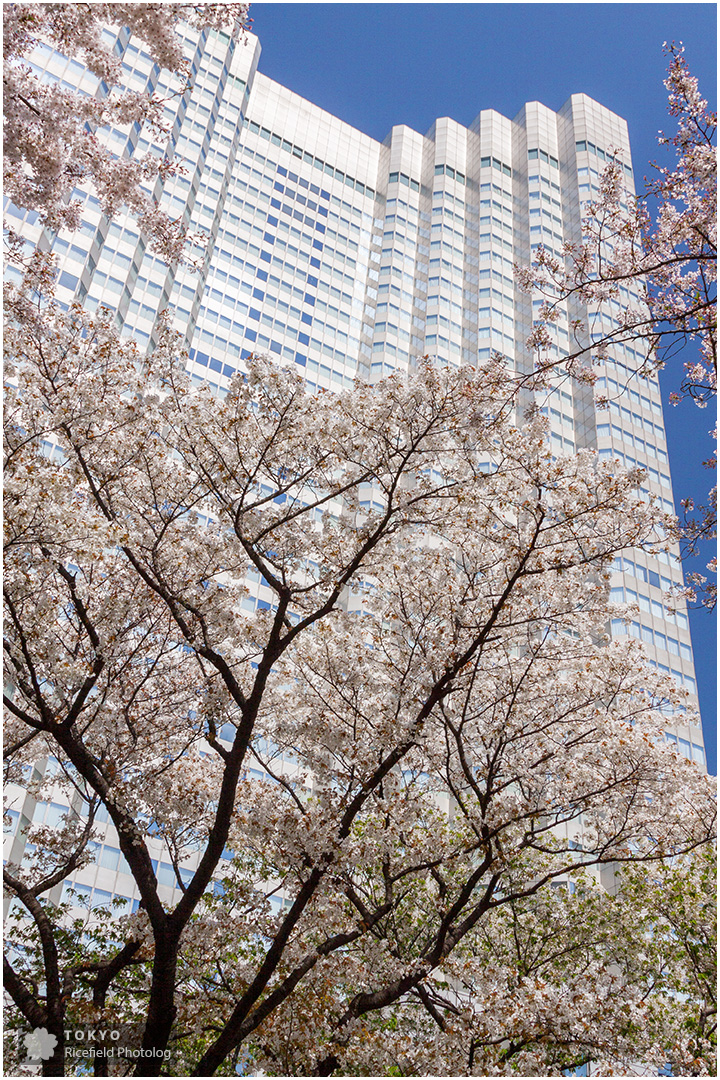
point(348, 257)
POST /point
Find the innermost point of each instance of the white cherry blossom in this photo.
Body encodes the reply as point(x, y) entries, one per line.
point(442, 725)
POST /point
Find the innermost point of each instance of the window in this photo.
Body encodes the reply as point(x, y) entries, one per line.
point(110, 858)
point(101, 899)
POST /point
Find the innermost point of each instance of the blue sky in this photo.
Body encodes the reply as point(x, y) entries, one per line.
point(376, 65)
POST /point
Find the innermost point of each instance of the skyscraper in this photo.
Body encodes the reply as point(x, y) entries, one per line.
point(345, 256)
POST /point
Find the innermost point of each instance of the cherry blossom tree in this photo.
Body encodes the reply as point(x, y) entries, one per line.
point(447, 741)
point(667, 255)
point(425, 683)
point(613, 978)
point(54, 137)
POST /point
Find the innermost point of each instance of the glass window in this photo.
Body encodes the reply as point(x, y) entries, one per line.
point(166, 874)
point(101, 898)
point(110, 857)
point(55, 814)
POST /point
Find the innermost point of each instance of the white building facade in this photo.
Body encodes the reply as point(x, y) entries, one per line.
point(349, 257)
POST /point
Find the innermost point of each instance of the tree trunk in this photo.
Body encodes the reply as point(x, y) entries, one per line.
point(161, 1008)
